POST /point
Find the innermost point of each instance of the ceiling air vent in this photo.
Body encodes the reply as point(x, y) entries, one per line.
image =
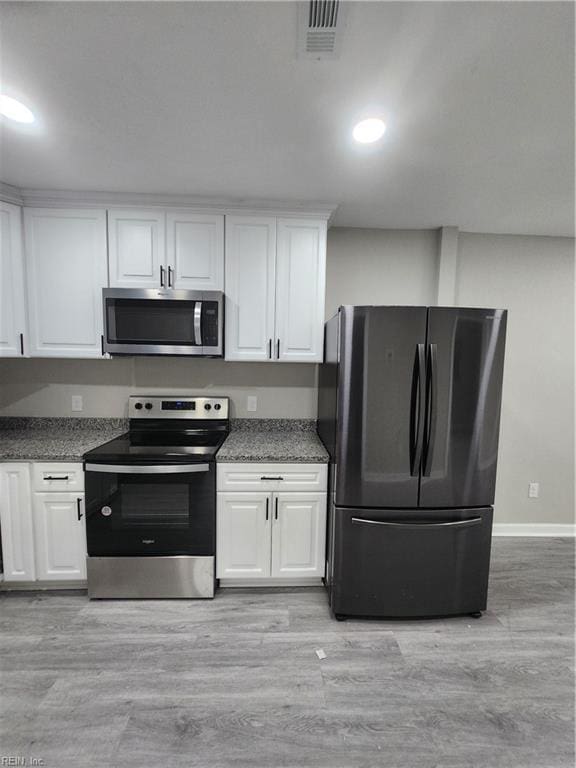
point(320, 24)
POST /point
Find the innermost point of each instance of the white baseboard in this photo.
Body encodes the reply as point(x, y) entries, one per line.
point(555, 530)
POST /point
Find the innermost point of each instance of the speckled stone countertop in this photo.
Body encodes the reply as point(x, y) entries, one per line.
point(54, 439)
point(269, 440)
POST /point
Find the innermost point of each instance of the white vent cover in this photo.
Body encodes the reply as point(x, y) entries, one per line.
point(320, 24)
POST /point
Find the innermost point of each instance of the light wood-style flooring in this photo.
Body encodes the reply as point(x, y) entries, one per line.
point(236, 682)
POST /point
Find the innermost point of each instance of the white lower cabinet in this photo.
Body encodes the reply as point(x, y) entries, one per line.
point(269, 535)
point(60, 536)
point(298, 535)
point(243, 536)
point(16, 522)
point(43, 534)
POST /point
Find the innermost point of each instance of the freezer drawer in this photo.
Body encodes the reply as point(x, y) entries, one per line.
point(410, 563)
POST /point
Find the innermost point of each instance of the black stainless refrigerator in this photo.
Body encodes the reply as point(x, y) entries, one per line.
point(409, 410)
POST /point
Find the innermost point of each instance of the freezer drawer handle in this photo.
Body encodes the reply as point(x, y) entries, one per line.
point(136, 469)
point(416, 525)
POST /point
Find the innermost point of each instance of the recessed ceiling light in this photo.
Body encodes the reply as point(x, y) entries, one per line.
point(15, 110)
point(369, 130)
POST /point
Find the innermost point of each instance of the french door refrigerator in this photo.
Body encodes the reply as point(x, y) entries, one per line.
point(409, 410)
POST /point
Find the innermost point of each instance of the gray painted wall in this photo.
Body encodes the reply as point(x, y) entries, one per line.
point(531, 276)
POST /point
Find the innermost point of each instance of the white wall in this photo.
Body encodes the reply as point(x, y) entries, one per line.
point(45, 387)
point(378, 266)
point(532, 277)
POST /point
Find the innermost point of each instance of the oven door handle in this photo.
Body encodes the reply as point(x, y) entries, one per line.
point(138, 469)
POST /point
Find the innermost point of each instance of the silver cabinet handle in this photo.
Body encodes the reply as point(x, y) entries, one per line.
point(416, 525)
point(198, 323)
point(138, 469)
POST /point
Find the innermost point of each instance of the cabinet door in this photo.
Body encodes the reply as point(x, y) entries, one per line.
point(66, 271)
point(60, 533)
point(250, 284)
point(16, 522)
point(137, 249)
point(300, 289)
point(299, 535)
point(195, 251)
point(12, 314)
point(243, 535)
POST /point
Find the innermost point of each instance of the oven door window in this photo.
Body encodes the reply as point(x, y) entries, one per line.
point(139, 514)
point(149, 321)
point(152, 505)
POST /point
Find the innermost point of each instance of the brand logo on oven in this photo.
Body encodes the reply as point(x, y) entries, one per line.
point(148, 541)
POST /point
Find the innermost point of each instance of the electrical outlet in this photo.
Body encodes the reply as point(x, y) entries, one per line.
point(252, 403)
point(77, 403)
point(533, 490)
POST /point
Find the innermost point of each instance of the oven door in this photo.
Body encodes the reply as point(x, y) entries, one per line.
point(153, 322)
point(150, 509)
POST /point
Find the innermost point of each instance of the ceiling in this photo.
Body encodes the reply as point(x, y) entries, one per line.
point(210, 99)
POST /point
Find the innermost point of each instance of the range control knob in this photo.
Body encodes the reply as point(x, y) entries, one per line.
point(138, 406)
point(207, 406)
point(217, 407)
point(148, 406)
point(106, 511)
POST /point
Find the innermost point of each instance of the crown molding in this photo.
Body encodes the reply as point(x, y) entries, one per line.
point(10, 194)
point(43, 198)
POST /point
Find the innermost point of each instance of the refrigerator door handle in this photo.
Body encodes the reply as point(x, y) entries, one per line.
point(417, 409)
point(417, 526)
point(431, 407)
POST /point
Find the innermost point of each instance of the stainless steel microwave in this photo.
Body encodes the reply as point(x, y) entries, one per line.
point(163, 322)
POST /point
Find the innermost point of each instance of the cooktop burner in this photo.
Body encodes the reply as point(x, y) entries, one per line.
point(168, 430)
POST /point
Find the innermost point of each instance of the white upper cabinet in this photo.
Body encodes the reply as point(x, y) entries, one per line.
point(66, 271)
point(155, 249)
point(12, 301)
point(250, 286)
point(300, 290)
point(137, 254)
point(275, 285)
point(195, 251)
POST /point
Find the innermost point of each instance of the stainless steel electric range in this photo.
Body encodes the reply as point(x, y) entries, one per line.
point(151, 501)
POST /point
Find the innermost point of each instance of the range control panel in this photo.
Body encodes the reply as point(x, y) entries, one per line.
point(186, 407)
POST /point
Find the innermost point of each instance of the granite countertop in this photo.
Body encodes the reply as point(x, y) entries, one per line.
point(271, 440)
point(54, 439)
point(68, 439)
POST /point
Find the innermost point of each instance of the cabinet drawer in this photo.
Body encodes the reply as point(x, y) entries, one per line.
point(272, 477)
point(57, 476)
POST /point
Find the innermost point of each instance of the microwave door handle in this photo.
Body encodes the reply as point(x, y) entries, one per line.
point(198, 323)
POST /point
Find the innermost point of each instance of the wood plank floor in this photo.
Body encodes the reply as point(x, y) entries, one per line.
point(237, 682)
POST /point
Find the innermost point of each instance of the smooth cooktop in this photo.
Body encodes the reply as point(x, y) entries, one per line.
point(165, 448)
